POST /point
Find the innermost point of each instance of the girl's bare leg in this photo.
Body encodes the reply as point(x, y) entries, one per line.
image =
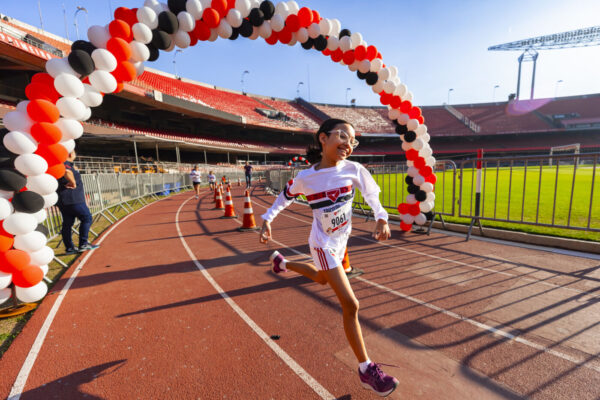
point(308, 270)
point(341, 286)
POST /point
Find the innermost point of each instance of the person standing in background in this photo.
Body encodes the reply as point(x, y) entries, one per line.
point(196, 177)
point(212, 179)
point(248, 171)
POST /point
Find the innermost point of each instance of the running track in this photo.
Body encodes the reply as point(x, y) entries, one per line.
point(177, 304)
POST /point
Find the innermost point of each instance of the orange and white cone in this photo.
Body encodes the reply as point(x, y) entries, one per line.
point(218, 200)
point(248, 223)
point(229, 211)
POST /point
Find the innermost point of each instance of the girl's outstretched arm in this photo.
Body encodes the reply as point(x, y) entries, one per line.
point(265, 232)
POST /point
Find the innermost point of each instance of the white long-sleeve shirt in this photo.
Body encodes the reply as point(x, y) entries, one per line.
point(196, 176)
point(330, 192)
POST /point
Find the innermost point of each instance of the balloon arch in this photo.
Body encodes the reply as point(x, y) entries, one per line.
point(43, 129)
point(297, 159)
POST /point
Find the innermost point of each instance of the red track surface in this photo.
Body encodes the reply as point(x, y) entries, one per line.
point(142, 321)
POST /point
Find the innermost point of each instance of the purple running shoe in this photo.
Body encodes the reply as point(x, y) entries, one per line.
point(276, 258)
point(377, 380)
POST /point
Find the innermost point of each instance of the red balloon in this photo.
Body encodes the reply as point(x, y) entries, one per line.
point(53, 153)
point(230, 4)
point(421, 119)
point(37, 90)
point(127, 15)
point(44, 78)
point(431, 179)
point(411, 154)
point(405, 106)
point(360, 53)
point(272, 40)
point(379, 56)
point(348, 57)
point(119, 48)
point(119, 88)
point(414, 209)
point(425, 171)
point(6, 240)
point(316, 16)
point(371, 52)
point(285, 36)
point(201, 30)
point(337, 55)
point(405, 227)
point(292, 22)
point(56, 170)
point(403, 208)
point(211, 18)
point(414, 112)
point(12, 261)
point(124, 72)
point(46, 133)
point(396, 101)
point(386, 98)
point(220, 6)
point(193, 39)
point(326, 52)
point(419, 162)
point(29, 276)
point(121, 29)
point(305, 17)
point(42, 111)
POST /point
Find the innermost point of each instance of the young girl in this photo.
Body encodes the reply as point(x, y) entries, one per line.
point(196, 176)
point(329, 188)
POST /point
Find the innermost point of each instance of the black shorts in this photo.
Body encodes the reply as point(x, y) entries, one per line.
point(196, 184)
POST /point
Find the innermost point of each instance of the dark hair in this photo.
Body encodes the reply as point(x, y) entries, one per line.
point(313, 151)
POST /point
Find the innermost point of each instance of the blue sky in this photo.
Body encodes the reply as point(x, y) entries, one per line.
point(436, 45)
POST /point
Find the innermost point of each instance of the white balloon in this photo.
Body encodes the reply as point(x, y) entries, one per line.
point(140, 52)
point(19, 223)
point(425, 152)
point(427, 187)
point(70, 107)
point(314, 30)
point(426, 206)
point(186, 21)
point(19, 142)
point(42, 184)
point(408, 96)
point(5, 280)
point(406, 146)
point(346, 43)
point(412, 172)
point(407, 219)
point(50, 199)
point(293, 7)
point(364, 66)
point(68, 85)
point(336, 27)
point(99, 35)
point(42, 257)
point(147, 16)
point(32, 294)
point(103, 81)
point(139, 68)
point(417, 144)
point(86, 115)
point(265, 30)
point(90, 97)
point(224, 29)
point(418, 179)
point(31, 164)
point(294, 40)
point(356, 38)
point(302, 35)
point(69, 145)
point(22, 106)
point(389, 87)
point(403, 119)
point(430, 161)
point(57, 66)
point(393, 71)
point(44, 269)
point(142, 33)
point(393, 114)
point(194, 7)
point(426, 138)
point(104, 60)
point(40, 216)
point(410, 163)
point(277, 22)
point(182, 40)
point(244, 7)
point(421, 130)
point(234, 18)
point(280, 9)
point(378, 86)
point(412, 124)
point(325, 26)
point(376, 65)
point(17, 121)
point(6, 195)
point(430, 197)
point(384, 74)
point(420, 219)
point(400, 90)
point(254, 35)
point(410, 199)
point(333, 43)
point(6, 208)
point(206, 3)
point(30, 242)
point(70, 128)
point(353, 67)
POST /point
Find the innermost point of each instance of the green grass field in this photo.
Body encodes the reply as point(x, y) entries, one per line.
point(511, 194)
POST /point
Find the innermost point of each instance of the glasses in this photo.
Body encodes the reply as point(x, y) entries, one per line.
point(345, 137)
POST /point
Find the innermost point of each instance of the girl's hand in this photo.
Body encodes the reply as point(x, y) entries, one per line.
point(382, 230)
point(265, 232)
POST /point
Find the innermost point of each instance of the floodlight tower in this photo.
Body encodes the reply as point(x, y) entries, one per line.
point(577, 38)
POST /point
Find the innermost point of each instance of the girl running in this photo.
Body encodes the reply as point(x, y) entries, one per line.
point(329, 188)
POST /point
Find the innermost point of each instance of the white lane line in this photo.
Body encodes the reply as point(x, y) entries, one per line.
point(576, 360)
point(294, 366)
point(19, 385)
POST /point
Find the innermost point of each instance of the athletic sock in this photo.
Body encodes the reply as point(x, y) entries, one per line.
point(363, 366)
point(283, 264)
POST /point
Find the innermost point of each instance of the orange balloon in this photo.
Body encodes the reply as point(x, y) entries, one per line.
point(42, 111)
point(12, 261)
point(120, 29)
point(119, 48)
point(124, 72)
point(211, 18)
point(46, 133)
point(30, 276)
point(53, 153)
point(119, 88)
point(6, 240)
point(56, 170)
point(305, 16)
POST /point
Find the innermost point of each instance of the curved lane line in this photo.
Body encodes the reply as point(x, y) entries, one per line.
point(301, 372)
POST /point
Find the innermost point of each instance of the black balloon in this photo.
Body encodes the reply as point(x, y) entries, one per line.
point(412, 189)
point(235, 33)
point(246, 28)
point(268, 9)
point(160, 39)
point(167, 21)
point(81, 62)
point(410, 136)
point(320, 43)
point(43, 229)
point(153, 52)
point(429, 215)
point(308, 44)
point(420, 195)
point(28, 202)
point(372, 78)
point(256, 17)
point(12, 180)
point(83, 45)
point(345, 32)
point(401, 129)
point(176, 6)
point(408, 180)
point(361, 75)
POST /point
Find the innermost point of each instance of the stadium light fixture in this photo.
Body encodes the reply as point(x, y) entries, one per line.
point(79, 8)
point(298, 89)
point(244, 73)
point(175, 62)
point(556, 87)
point(347, 90)
point(449, 90)
point(494, 93)
point(40, 11)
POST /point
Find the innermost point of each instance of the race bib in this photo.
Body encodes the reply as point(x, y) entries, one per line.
point(333, 221)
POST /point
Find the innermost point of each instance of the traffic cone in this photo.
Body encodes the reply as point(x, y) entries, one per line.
point(248, 223)
point(218, 200)
point(229, 211)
